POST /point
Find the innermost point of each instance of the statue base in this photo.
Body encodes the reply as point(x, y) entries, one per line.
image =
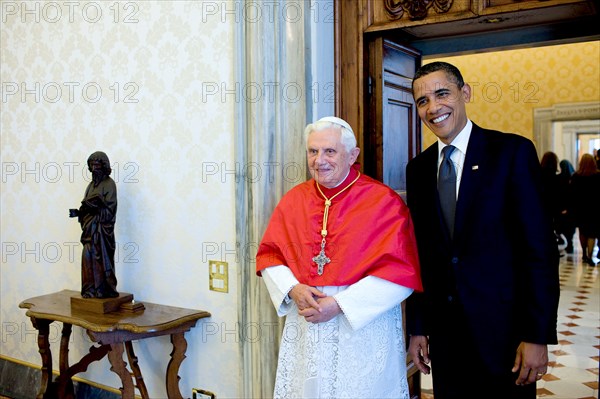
point(106, 305)
point(132, 307)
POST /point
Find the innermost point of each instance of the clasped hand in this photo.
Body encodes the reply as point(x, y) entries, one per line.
point(314, 305)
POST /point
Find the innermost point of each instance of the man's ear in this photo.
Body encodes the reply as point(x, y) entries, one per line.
point(466, 90)
point(354, 155)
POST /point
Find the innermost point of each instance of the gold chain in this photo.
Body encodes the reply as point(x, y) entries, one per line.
point(328, 203)
point(321, 259)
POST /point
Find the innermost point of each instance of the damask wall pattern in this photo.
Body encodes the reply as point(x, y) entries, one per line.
point(508, 85)
point(144, 82)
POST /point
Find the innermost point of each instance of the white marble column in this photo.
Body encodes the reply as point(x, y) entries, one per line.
point(270, 146)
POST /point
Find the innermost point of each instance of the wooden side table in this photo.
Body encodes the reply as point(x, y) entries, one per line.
point(114, 332)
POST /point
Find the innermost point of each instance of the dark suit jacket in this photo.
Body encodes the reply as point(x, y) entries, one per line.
point(502, 264)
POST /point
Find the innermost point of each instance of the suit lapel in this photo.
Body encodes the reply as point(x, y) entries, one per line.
point(473, 168)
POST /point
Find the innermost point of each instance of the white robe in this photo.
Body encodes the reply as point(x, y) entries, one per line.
point(357, 354)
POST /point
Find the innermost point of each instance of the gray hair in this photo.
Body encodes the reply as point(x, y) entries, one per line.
point(348, 139)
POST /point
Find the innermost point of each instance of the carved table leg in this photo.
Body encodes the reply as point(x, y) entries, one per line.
point(64, 380)
point(43, 327)
point(133, 362)
point(65, 384)
point(96, 353)
point(177, 356)
point(119, 367)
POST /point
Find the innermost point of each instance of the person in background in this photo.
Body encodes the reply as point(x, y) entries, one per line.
point(338, 258)
point(564, 225)
point(584, 196)
point(550, 186)
point(489, 259)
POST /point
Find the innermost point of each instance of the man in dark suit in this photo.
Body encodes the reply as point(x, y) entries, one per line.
point(489, 261)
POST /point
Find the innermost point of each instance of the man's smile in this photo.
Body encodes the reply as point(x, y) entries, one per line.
point(440, 118)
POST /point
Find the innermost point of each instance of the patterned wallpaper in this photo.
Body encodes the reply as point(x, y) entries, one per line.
point(141, 81)
point(508, 85)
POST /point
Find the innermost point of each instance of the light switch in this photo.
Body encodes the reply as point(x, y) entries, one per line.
point(218, 276)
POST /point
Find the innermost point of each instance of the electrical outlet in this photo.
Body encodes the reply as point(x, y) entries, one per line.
point(218, 276)
point(202, 394)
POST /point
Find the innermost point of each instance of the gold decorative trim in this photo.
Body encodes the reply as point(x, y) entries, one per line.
point(416, 9)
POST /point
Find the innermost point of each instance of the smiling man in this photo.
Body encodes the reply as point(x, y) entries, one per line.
point(489, 260)
point(338, 258)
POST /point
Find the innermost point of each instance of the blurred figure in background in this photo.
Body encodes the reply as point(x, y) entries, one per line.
point(565, 226)
point(584, 196)
point(550, 185)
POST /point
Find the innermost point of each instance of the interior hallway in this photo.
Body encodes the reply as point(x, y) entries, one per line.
point(573, 370)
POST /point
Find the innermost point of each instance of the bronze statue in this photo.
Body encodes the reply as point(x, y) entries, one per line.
point(97, 216)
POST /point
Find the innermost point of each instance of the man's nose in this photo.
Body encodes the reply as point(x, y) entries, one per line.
point(433, 107)
point(320, 158)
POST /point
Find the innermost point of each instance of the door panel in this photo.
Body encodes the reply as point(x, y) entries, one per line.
point(393, 130)
point(394, 154)
point(397, 129)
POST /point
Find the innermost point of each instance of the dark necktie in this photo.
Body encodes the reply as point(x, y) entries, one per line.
point(447, 188)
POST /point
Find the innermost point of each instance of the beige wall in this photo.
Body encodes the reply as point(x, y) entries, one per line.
point(508, 85)
point(138, 73)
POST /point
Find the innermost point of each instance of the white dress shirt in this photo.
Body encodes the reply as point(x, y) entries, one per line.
point(461, 141)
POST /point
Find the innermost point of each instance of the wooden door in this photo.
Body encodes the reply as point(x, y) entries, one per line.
point(393, 130)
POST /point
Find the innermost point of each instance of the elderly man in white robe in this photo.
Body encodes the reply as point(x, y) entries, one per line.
point(338, 258)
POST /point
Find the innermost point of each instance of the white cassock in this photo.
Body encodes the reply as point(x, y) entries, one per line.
point(360, 353)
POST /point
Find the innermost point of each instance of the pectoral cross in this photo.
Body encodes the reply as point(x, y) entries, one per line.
point(321, 259)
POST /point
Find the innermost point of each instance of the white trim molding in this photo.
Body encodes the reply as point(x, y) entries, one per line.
point(555, 128)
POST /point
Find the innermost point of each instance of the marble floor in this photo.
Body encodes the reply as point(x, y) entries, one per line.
point(573, 369)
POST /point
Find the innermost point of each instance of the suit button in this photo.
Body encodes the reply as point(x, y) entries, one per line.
point(454, 260)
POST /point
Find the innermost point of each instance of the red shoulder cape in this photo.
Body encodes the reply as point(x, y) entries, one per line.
point(370, 232)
